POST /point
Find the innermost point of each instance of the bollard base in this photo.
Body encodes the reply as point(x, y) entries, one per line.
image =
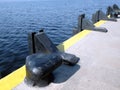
point(41, 82)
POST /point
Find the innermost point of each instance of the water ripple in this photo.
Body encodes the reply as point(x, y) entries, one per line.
point(58, 18)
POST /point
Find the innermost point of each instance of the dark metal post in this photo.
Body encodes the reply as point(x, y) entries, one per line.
point(80, 22)
point(31, 42)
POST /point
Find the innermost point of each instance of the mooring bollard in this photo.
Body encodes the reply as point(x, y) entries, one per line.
point(39, 68)
point(111, 12)
point(84, 23)
point(116, 9)
point(79, 25)
point(100, 15)
point(46, 58)
point(80, 22)
point(44, 45)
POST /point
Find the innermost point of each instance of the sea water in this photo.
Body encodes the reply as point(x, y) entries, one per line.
point(57, 17)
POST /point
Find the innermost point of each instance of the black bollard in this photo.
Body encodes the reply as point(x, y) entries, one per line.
point(100, 15)
point(84, 23)
point(80, 22)
point(47, 58)
point(79, 27)
point(44, 45)
point(111, 12)
point(39, 68)
point(116, 9)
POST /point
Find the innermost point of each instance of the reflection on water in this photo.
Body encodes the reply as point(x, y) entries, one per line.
point(57, 17)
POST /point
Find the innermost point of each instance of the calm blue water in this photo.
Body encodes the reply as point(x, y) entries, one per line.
point(57, 17)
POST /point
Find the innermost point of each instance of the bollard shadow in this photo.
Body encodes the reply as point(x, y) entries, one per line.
point(64, 72)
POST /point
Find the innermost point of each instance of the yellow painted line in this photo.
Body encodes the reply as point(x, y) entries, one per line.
point(65, 45)
point(15, 78)
point(99, 23)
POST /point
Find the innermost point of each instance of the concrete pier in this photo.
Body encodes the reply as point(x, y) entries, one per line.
point(99, 65)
